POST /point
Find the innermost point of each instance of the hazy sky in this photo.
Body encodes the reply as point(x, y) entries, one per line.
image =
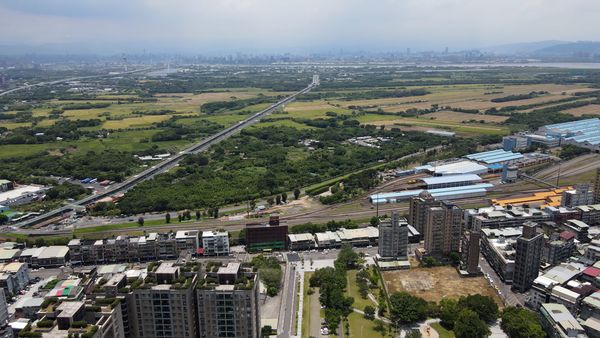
point(295, 25)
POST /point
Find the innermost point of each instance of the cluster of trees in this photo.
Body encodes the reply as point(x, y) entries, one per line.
point(220, 106)
point(332, 282)
point(517, 97)
point(104, 165)
point(258, 163)
point(269, 271)
point(570, 151)
point(518, 322)
point(85, 105)
point(468, 316)
point(66, 190)
point(65, 129)
point(329, 226)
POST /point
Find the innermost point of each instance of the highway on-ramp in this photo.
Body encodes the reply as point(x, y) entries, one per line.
point(168, 163)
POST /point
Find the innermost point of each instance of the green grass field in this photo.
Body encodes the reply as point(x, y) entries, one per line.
point(352, 290)
point(444, 333)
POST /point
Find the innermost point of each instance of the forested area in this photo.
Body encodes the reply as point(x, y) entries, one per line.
point(267, 161)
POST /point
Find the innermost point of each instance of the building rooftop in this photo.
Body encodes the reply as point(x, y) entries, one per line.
point(69, 309)
point(301, 237)
point(460, 167)
point(183, 234)
point(213, 233)
point(439, 193)
point(563, 273)
point(561, 316)
point(232, 268)
point(6, 254)
point(54, 252)
point(166, 268)
point(494, 156)
point(451, 179)
point(359, 233)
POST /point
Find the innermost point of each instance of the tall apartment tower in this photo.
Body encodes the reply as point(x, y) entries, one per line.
point(417, 209)
point(393, 238)
point(166, 307)
point(469, 248)
point(442, 229)
point(529, 248)
point(228, 305)
point(597, 187)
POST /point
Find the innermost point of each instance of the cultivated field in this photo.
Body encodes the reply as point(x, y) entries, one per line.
point(433, 284)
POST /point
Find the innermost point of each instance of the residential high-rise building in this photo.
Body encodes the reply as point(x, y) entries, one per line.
point(597, 187)
point(215, 243)
point(393, 238)
point(442, 229)
point(528, 257)
point(581, 195)
point(417, 209)
point(470, 251)
point(164, 305)
point(227, 303)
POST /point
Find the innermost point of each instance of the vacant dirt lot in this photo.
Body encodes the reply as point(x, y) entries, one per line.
point(433, 284)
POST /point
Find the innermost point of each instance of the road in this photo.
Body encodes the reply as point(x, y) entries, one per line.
point(508, 296)
point(167, 163)
point(288, 305)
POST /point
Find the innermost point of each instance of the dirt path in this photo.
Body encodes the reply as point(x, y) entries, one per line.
point(315, 316)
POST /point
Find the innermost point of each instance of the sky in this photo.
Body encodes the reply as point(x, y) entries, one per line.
point(294, 26)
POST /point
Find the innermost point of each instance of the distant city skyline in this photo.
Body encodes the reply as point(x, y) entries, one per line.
point(308, 26)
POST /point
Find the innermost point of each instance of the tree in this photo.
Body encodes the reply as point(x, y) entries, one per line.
point(469, 325)
point(296, 193)
point(3, 219)
point(483, 306)
point(521, 323)
point(252, 204)
point(270, 201)
point(448, 309)
point(179, 217)
point(455, 258)
point(406, 308)
point(380, 327)
point(374, 221)
point(413, 333)
point(369, 312)
point(278, 199)
point(141, 221)
point(168, 218)
point(266, 331)
point(284, 197)
point(347, 258)
point(198, 215)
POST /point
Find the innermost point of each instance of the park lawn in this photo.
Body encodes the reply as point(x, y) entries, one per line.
point(362, 327)
point(14, 125)
point(444, 333)
point(116, 226)
point(135, 122)
point(306, 306)
point(352, 290)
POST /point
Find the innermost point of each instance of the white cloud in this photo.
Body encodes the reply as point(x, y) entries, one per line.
point(299, 24)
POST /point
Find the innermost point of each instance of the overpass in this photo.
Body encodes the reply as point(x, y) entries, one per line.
point(170, 162)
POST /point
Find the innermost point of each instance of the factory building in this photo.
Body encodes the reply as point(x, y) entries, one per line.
point(583, 133)
point(450, 181)
point(466, 191)
point(500, 156)
point(460, 167)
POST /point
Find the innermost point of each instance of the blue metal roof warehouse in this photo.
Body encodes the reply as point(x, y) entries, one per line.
point(495, 156)
point(443, 193)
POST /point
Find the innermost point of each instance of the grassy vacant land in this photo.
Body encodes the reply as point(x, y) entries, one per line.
point(434, 284)
point(352, 290)
point(444, 333)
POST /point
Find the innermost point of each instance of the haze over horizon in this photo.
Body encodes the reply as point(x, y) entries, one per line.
point(296, 26)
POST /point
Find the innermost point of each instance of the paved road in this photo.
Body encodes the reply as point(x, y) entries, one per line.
point(168, 163)
point(508, 296)
point(288, 305)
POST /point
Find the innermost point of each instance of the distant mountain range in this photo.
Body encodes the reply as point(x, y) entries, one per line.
point(547, 48)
